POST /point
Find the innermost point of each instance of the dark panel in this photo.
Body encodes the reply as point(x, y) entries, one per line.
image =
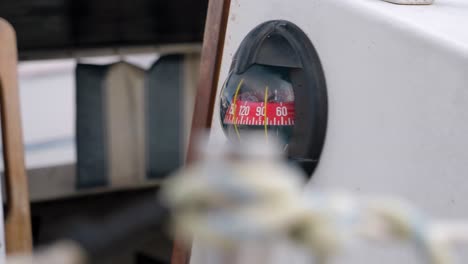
point(164, 111)
point(39, 23)
point(90, 126)
point(181, 20)
point(115, 226)
point(79, 24)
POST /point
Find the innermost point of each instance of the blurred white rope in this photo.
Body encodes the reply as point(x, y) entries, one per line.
point(238, 195)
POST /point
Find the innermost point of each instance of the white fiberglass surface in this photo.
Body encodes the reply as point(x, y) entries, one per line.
point(396, 79)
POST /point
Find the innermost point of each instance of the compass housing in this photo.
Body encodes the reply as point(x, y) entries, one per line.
point(276, 85)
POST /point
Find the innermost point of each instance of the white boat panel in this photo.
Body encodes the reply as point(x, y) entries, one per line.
point(398, 101)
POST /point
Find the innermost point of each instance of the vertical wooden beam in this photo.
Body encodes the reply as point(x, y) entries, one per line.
point(212, 52)
point(210, 64)
point(18, 222)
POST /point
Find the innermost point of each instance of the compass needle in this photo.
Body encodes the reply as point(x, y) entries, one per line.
point(266, 118)
point(235, 108)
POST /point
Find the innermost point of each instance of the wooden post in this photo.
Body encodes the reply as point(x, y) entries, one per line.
point(18, 234)
point(210, 62)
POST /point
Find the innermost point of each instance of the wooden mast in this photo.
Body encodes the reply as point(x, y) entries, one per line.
point(18, 234)
point(212, 52)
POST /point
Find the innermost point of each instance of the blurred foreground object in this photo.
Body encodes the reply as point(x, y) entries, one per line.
point(235, 192)
point(99, 240)
point(65, 252)
point(247, 192)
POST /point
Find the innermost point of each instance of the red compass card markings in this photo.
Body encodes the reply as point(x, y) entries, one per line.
point(254, 113)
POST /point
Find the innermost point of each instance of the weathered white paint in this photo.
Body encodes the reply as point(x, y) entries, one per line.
point(397, 81)
point(411, 2)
